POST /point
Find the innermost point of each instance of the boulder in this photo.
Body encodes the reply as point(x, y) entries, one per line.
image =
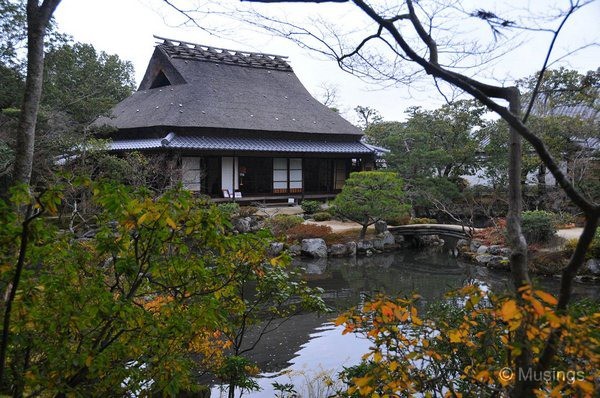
point(294, 250)
point(474, 245)
point(592, 266)
point(462, 243)
point(380, 227)
point(495, 249)
point(351, 248)
point(242, 225)
point(378, 243)
point(275, 249)
point(255, 224)
point(483, 249)
point(505, 251)
point(364, 245)
point(483, 259)
point(388, 238)
point(498, 262)
point(338, 250)
point(315, 247)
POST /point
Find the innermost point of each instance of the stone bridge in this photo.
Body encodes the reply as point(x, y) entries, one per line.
point(451, 234)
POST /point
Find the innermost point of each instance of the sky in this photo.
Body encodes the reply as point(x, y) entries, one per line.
point(126, 28)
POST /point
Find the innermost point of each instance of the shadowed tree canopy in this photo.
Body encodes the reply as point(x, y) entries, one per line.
point(84, 83)
point(438, 143)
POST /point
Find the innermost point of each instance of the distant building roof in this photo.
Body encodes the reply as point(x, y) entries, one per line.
point(210, 143)
point(195, 86)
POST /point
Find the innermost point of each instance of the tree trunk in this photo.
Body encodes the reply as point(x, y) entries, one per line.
point(363, 231)
point(38, 17)
point(517, 243)
point(541, 187)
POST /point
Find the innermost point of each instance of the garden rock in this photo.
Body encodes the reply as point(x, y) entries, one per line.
point(474, 245)
point(378, 243)
point(483, 249)
point(388, 238)
point(294, 250)
point(593, 266)
point(462, 243)
point(498, 262)
point(495, 249)
point(242, 225)
point(484, 259)
point(505, 251)
point(275, 249)
point(380, 227)
point(315, 247)
point(338, 250)
point(364, 245)
point(351, 248)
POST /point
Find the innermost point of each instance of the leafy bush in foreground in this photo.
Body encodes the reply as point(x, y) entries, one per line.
point(469, 345)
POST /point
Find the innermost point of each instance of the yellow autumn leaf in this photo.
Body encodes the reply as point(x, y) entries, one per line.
point(171, 223)
point(361, 381)
point(88, 361)
point(546, 297)
point(509, 310)
point(537, 306)
point(585, 386)
point(455, 336)
point(340, 320)
point(377, 357)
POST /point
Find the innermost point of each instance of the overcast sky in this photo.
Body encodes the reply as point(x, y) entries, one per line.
point(126, 28)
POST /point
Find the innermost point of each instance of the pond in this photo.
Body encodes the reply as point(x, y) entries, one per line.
point(308, 348)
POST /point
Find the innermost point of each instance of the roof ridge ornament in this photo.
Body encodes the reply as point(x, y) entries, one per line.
point(199, 52)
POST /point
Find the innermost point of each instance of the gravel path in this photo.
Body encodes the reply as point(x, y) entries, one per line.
point(571, 233)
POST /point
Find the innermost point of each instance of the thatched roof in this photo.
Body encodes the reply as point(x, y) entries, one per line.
point(193, 86)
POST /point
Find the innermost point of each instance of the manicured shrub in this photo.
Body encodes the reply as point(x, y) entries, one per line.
point(230, 209)
point(308, 231)
point(279, 224)
point(423, 220)
point(247, 211)
point(401, 220)
point(322, 216)
point(310, 206)
point(538, 226)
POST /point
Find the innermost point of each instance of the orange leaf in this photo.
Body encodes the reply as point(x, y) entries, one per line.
point(509, 310)
point(546, 297)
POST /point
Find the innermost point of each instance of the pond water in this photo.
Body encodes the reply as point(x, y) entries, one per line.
point(308, 348)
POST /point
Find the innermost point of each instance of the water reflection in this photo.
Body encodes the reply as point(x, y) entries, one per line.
point(310, 346)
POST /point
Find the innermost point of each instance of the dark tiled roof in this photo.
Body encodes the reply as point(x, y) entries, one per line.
point(231, 93)
point(240, 144)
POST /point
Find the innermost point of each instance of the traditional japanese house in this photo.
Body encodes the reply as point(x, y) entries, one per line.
point(237, 121)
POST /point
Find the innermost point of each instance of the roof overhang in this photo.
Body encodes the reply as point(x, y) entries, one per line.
point(241, 144)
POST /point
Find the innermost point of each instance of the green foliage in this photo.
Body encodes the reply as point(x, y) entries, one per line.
point(83, 83)
point(280, 224)
point(538, 226)
point(310, 206)
point(422, 220)
point(370, 196)
point(322, 216)
point(155, 294)
point(229, 209)
point(437, 143)
point(239, 371)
